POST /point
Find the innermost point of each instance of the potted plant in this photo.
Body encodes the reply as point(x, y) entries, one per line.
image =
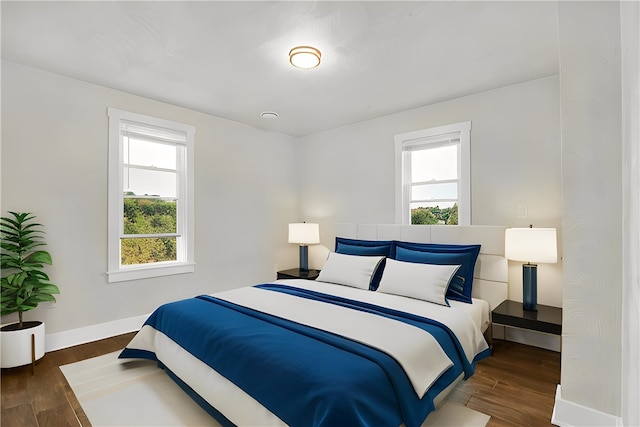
point(24, 285)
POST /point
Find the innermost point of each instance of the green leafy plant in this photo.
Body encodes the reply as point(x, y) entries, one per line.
point(24, 284)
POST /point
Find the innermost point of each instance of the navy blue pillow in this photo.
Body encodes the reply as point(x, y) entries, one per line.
point(461, 285)
point(343, 248)
point(366, 248)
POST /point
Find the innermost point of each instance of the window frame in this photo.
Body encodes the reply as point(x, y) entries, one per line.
point(185, 263)
point(403, 142)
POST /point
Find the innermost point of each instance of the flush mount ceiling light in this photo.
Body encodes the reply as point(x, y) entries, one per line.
point(269, 115)
point(304, 57)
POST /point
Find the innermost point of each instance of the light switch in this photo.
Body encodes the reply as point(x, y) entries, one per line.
point(522, 211)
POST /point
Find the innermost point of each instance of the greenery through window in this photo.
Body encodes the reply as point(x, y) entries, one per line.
point(144, 216)
point(435, 215)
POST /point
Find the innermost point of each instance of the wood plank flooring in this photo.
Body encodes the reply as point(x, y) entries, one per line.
point(45, 399)
point(516, 386)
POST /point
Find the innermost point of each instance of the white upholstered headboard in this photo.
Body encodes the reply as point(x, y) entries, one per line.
point(491, 273)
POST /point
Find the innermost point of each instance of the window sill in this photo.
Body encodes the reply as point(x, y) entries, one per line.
point(157, 270)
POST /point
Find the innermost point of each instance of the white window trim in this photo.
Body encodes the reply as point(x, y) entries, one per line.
point(403, 214)
point(115, 271)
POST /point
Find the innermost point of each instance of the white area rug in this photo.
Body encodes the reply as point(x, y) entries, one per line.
point(132, 392)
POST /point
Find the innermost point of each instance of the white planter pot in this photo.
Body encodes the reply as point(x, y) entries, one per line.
point(16, 345)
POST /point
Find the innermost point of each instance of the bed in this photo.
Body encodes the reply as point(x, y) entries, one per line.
point(394, 321)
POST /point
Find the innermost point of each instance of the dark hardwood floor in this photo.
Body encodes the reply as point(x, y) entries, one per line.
point(45, 399)
point(516, 386)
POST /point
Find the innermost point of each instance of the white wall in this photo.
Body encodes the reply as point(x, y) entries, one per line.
point(54, 164)
point(347, 174)
point(630, 62)
point(592, 197)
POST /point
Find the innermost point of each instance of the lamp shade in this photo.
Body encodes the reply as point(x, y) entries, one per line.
point(531, 245)
point(304, 233)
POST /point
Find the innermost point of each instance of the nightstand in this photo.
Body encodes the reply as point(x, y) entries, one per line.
point(295, 273)
point(547, 319)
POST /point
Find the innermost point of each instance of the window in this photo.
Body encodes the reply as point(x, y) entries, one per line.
point(150, 197)
point(433, 176)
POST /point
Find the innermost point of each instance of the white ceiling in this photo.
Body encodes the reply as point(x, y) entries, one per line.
point(230, 59)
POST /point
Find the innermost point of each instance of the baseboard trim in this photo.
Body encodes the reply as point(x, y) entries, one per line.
point(91, 333)
point(569, 414)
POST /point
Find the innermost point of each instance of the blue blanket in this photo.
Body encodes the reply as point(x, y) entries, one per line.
point(307, 377)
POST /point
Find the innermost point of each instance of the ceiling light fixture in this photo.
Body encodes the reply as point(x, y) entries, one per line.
point(269, 115)
point(304, 57)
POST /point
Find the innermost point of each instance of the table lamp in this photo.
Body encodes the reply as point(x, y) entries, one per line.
point(530, 245)
point(304, 234)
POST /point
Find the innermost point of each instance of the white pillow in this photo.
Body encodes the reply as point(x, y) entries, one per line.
point(428, 282)
point(350, 270)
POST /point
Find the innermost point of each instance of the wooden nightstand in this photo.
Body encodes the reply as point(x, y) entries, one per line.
point(547, 319)
point(295, 273)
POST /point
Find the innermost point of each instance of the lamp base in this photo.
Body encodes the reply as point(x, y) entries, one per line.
point(304, 258)
point(530, 287)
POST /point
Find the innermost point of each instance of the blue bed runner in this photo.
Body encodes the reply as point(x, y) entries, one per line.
point(305, 376)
